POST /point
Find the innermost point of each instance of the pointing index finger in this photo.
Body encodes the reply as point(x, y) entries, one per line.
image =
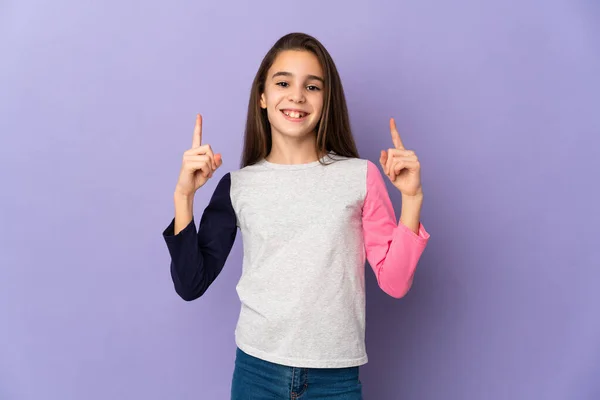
point(395, 135)
point(197, 139)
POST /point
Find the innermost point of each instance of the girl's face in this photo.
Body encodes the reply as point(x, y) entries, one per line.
point(293, 95)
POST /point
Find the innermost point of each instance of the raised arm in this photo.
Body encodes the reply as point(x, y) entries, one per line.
point(198, 256)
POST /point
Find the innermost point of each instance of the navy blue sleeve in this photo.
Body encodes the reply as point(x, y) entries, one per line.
point(197, 257)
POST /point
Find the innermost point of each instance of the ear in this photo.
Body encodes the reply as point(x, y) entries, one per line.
point(263, 101)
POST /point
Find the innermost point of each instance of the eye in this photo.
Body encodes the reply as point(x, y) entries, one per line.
point(313, 88)
point(282, 84)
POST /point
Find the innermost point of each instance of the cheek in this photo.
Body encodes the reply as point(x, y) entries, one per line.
point(274, 100)
point(318, 104)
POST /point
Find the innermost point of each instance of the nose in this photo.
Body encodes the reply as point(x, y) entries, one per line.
point(296, 95)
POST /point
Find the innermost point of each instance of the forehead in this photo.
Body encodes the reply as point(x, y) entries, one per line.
point(298, 62)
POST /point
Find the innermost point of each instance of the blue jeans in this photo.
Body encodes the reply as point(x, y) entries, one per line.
point(256, 379)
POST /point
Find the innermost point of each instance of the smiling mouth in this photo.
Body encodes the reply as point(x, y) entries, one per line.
point(294, 115)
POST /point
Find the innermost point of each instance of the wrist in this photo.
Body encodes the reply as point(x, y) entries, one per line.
point(418, 196)
point(183, 200)
point(179, 195)
point(410, 215)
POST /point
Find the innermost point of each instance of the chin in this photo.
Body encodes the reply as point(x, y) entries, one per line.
point(298, 131)
point(294, 131)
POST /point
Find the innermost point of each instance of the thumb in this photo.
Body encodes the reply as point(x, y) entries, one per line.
point(383, 158)
point(218, 159)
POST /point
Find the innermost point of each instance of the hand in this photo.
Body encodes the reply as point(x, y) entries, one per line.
point(401, 165)
point(198, 164)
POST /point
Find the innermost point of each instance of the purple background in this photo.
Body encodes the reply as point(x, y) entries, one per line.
point(500, 101)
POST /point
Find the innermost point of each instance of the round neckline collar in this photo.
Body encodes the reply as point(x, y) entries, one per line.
point(295, 166)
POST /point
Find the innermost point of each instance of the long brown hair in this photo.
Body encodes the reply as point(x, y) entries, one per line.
point(333, 130)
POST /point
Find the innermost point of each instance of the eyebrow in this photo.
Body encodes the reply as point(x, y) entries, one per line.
point(310, 77)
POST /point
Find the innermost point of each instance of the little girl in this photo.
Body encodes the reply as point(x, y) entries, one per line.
point(310, 213)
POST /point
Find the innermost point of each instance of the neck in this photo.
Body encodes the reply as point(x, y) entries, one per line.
point(289, 150)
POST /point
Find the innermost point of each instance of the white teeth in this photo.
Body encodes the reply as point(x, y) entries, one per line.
point(294, 114)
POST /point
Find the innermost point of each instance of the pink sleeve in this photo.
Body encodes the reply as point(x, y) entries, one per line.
point(393, 250)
